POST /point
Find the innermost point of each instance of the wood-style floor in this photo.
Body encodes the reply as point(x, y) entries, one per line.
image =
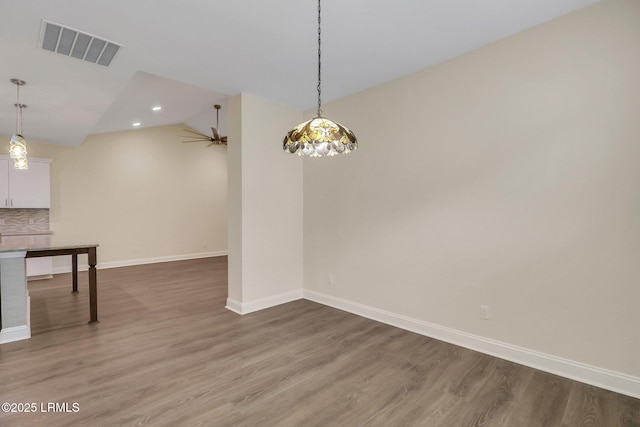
point(167, 353)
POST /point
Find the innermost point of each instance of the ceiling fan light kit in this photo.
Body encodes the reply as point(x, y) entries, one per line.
point(319, 137)
point(216, 139)
point(18, 146)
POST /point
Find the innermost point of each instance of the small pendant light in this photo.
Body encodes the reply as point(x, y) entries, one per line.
point(319, 136)
point(18, 146)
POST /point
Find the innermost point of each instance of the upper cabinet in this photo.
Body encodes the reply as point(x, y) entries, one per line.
point(29, 188)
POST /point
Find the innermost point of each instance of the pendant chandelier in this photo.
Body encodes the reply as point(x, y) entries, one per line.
point(319, 136)
point(18, 146)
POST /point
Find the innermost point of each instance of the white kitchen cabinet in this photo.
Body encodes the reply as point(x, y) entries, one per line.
point(29, 188)
point(39, 268)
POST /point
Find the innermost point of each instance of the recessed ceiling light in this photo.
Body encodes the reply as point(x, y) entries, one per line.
point(157, 108)
point(136, 124)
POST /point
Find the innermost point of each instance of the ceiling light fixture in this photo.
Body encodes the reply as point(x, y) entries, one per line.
point(157, 108)
point(18, 146)
point(136, 124)
point(319, 136)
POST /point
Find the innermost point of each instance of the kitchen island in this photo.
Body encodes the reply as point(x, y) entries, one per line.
point(14, 294)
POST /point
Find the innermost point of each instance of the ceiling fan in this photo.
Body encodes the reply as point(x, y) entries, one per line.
point(216, 139)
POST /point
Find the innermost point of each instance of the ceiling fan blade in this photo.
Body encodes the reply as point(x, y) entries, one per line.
point(216, 135)
point(197, 133)
point(192, 131)
point(196, 140)
point(198, 137)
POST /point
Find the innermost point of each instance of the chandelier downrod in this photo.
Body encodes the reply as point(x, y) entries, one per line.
point(19, 106)
point(18, 146)
point(319, 111)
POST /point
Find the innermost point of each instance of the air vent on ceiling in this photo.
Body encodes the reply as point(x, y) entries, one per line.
point(70, 42)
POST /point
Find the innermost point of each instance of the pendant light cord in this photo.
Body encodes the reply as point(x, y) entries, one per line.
point(319, 112)
point(18, 112)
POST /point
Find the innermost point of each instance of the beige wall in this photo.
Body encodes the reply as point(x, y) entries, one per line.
point(265, 206)
point(506, 177)
point(142, 195)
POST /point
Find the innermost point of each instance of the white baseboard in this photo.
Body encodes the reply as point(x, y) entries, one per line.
point(593, 375)
point(40, 277)
point(262, 303)
point(16, 333)
point(234, 305)
point(130, 262)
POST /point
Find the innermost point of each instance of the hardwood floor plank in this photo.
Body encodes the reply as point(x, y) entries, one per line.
point(591, 406)
point(543, 403)
point(498, 388)
point(167, 352)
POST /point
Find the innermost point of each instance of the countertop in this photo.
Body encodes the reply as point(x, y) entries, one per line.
point(25, 233)
point(38, 243)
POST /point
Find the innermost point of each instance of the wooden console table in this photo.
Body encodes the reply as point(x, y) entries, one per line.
point(90, 250)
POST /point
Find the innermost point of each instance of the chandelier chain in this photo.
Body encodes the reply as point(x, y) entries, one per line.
point(319, 137)
point(319, 112)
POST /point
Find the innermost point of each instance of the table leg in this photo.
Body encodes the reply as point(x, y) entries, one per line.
point(93, 286)
point(74, 272)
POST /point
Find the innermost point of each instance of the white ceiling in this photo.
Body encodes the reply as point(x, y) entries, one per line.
point(188, 55)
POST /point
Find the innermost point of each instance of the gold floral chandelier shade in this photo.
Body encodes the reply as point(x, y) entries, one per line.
point(320, 137)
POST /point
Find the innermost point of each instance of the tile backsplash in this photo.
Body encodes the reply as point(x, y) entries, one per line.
point(24, 220)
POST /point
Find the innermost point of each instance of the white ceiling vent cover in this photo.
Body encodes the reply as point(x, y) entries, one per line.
point(71, 42)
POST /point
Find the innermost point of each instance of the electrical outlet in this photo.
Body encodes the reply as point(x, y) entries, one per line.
point(484, 312)
point(31, 221)
point(330, 279)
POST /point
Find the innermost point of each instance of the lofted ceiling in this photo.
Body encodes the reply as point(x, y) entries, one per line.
point(188, 55)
